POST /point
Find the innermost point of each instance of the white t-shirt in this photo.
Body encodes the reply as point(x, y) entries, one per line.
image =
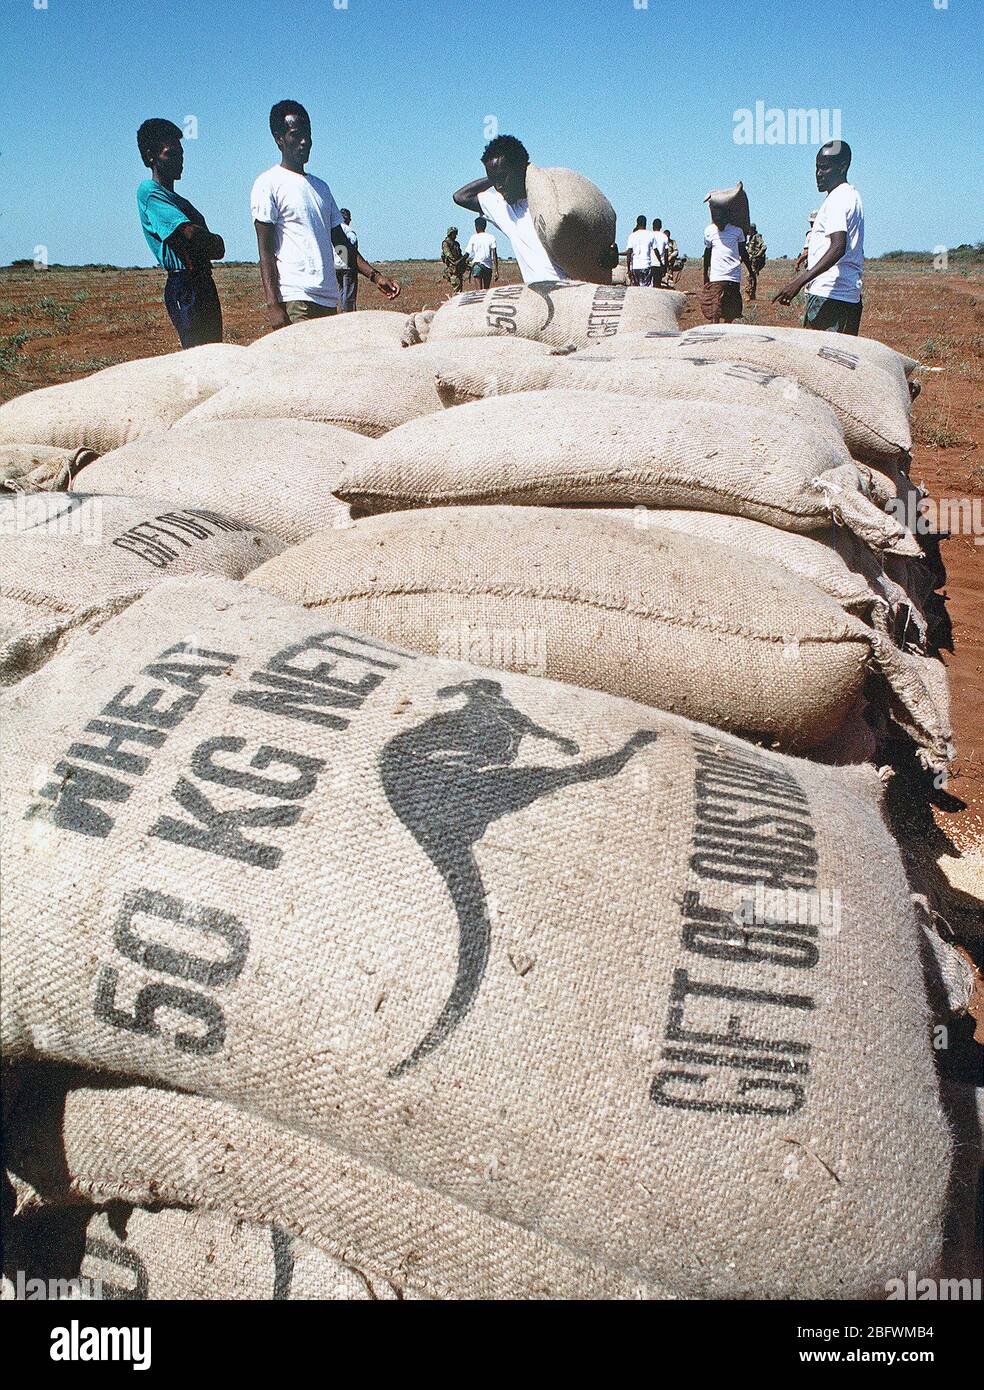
point(841, 211)
point(480, 247)
point(303, 211)
point(724, 243)
point(344, 259)
point(660, 243)
point(515, 220)
point(640, 243)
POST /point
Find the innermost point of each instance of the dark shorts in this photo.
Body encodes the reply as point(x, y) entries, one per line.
point(483, 274)
point(832, 315)
point(192, 304)
point(299, 310)
point(348, 290)
point(721, 301)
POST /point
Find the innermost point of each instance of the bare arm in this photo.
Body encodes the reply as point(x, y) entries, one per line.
point(707, 263)
point(495, 263)
point(833, 253)
point(387, 287)
point(265, 240)
point(467, 196)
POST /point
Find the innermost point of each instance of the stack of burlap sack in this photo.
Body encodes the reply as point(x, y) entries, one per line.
point(443, 857)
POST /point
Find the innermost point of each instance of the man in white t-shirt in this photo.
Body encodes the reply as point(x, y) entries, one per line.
point(660, 261)
point(345, 271)
point(835, 250)
point(724, 255)
point(298, 226)
point(501, 198)
point(639, 252)
point(483, 254)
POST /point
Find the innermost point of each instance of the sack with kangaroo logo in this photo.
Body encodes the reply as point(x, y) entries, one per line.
point(873, 404)
point(597, 448)
point(654, 378)
point(111, 407)
point(274, 475)
point(661, 617)
point(376, 898)
point(560, 313)
point(65, 555)
point(367, 392)
point(126, 1252)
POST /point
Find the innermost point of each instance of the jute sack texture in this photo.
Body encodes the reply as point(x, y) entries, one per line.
point(362, 331)
point(39, 467)
point(275, 475)
point(574, 220)
point(128, 1252)
point(120, 403)
point(368, 392)
point(63, 555)
point(664, 618)
point(652, 378)
point(71, 1142)
point(602, 449)
point(512, 1007)
point(561, 314)
point(872, 404)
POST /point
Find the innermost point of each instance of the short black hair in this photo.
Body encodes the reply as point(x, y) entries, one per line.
point(657, 224)
point(344, 212)
point(480, 224)
point(153, 135)
point(640, 220)
point(840, 152)
point(280, 112)
point(508, 147)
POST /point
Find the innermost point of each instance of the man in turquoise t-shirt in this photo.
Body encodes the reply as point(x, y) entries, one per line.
point(177, 235)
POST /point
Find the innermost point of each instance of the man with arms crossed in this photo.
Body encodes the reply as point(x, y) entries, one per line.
point(483, 254)
point(835, 250)
point(298, 225)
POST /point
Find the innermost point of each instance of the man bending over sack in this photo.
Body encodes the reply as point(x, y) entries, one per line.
point(298, 226)
point(834, 249)
point(177, 235)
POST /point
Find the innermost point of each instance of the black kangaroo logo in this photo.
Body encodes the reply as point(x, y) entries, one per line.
point(448, 779)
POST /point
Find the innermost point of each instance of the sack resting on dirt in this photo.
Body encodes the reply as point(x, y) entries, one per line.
point(601, 449)
point(567, 313)
point(505, 1004)
point(668, 619)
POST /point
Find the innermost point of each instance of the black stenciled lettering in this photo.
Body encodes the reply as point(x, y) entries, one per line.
point(713, 932)
point(661, 1095)
point(838, 355)
point(166, 960)
point(297, 699)
point(112, 753)
point(127, 1260)
point(221, 832)
point(735, 1061)
point(685, 986)
point(72, 793)
point(148, 710)
point(146, 1004)
point(144, 549)
point(204, 766)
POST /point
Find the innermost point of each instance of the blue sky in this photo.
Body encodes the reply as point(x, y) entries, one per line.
point(641, 98)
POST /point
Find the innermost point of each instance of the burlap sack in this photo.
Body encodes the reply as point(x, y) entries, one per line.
point(328, 888)
point(653, 378)
point(872, 404)
point(670, 620)
point(126, 1252)
point(574, 220)
point(120, 403)
point(276, 475)
point(71, 1142)
point(868, 349)
point(565, 314)
point(417, 328)
point(38, 467)
point(602, 449)
point(732, 203)
point(620, 275)
point(367, 392)
point(361, 331)
point(64, 555)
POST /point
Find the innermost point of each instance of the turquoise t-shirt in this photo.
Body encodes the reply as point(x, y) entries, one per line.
point(162, 212)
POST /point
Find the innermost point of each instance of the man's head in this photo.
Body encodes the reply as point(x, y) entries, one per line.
point(640, 225)
point(452, 232)
point(657, 224)
point(505, 159)
point(752, 229)
point(480, 224)
point(345, 215)
point(833, 162)
point(159, 143)
point(290, 126)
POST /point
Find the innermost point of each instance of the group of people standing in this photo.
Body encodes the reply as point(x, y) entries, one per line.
point(651, 256)
point(479, 260)
point(309, 252)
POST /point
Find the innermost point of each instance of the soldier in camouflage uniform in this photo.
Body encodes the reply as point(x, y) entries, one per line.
point(755, 247)
point(454, 259)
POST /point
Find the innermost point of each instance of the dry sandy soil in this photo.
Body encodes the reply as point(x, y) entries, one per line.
point(63, 323)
